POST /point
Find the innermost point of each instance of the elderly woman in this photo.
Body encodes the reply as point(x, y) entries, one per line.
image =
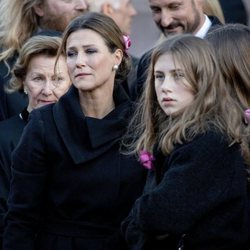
point(36, 75)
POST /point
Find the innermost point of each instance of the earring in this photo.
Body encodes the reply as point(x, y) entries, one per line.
point(25, 91)
point(115, 67)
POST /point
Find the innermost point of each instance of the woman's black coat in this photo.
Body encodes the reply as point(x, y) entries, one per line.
point(10, 133)
point(71, 186)
point(200, 200)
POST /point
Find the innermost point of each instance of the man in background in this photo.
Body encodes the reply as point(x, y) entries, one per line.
point(174, 17)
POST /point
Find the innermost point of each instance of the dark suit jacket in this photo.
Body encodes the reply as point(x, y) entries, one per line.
point(201, 193)
point(143, 65)
point(234, 11)
point(71, 184)
point(10, 133)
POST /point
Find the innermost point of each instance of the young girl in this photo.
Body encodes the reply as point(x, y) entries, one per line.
point(191, 138)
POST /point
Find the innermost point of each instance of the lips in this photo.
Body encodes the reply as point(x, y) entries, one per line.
point(167, 99)
point(81, 75)
point(46, 102)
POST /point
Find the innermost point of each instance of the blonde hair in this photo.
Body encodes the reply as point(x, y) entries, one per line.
point(232, 45)
point(213, 8)
point(17, 23)
point(210, 108)
point(36, 45)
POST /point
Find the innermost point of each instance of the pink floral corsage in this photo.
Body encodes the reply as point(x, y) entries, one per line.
point(247, 116)
point(146, 159)
point(127, 41)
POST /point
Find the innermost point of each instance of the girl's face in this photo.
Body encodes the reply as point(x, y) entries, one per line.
point(42, 84)
point(173, 91)
point(90, 63)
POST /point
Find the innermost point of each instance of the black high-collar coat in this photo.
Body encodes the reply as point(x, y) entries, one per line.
point(10, 133)
point(71, 185)
point(195, 197)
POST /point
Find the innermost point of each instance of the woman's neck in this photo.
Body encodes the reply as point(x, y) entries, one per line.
point(96, 105)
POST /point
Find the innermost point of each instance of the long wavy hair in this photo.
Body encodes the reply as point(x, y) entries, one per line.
point(232, 45)
point(17, 23)
point(212, 107)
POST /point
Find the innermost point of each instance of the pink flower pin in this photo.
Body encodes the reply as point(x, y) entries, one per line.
point(146, 159)
point(247, 116)
point(127, 42)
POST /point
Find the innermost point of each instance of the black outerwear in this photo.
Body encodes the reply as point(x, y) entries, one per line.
point(144, 62)
point(200, 198)
point(70, 182)
point(10, 133)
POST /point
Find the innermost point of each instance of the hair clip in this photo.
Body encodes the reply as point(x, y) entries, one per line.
point(146, 159)
point(127, 42)
point(247, 116)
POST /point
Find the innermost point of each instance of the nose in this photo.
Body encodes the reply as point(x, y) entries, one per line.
point(80, 60)
point(167, 85)
point(48, 88)
point(81, 5)
point(166, 18)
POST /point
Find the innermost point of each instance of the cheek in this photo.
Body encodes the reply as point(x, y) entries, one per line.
point(157, 18)
point(70, 66)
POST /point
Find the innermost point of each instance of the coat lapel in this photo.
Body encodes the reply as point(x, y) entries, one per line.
point(86, 138)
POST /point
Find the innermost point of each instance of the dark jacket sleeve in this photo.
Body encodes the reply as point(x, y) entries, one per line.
point(4, 189)
point(201, 176)
point(27, 188)
point(142, 73)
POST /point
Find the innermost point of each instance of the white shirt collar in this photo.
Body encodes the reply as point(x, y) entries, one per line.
point(204, 29)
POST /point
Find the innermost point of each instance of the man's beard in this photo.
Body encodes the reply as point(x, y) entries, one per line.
point(189, 28)
point(58, 23)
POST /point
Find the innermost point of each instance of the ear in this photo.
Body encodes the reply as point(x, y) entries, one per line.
point(38, 9)
point(107, 9)
point(118, 55)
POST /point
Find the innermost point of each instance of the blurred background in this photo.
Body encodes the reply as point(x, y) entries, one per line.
point(145, 33)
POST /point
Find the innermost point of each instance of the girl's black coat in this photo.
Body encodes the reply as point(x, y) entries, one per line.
point(71, 186)
point(200, 199)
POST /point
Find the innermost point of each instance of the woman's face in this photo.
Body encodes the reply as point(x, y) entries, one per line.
point(173, 91)
point(90, 63)
point(42, 84)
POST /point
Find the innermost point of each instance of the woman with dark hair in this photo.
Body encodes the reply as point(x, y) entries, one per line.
point(71, 186)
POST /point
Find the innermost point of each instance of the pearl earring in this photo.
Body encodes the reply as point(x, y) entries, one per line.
point(25, 91)
point(115, 67)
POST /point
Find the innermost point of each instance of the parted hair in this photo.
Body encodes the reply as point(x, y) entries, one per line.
point(108, 30)
point(18, 22)
point(36, 45)
point(212, 107)
point(232, 45)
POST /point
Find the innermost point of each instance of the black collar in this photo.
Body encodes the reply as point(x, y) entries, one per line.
point(24, 114)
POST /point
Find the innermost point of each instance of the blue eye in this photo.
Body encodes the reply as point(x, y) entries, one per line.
point(179, 76)
point(91, 51)
point(71, 53)
point(159, 77)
